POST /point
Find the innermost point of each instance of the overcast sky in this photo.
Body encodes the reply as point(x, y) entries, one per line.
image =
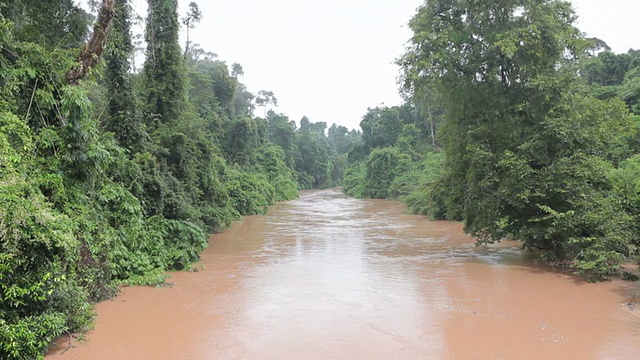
point(331, 59)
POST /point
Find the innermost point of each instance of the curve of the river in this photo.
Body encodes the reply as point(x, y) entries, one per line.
point(329, 277)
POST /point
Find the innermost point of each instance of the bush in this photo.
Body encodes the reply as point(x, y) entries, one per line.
point(250, 194)
point(28, 337)
point(38, 250)
point(626, 187)
point(381, 168)
point(353, 183)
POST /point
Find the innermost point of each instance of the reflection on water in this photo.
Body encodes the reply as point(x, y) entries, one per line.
point(328, 277)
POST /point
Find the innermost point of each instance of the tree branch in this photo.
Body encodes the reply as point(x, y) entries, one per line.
point(11, 56)
point(91, 52)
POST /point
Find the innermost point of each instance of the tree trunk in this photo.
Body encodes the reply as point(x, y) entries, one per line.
point(92, 50)
point(186, 46)
point(433, 131)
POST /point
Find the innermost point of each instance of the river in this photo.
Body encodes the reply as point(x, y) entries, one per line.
point(329, 277)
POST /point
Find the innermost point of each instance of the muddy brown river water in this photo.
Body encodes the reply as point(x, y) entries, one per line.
point(328, 277)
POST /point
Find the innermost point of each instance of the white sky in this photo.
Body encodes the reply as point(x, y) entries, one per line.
point(331, 59)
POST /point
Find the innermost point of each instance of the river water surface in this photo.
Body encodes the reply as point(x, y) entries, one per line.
point(328, 277)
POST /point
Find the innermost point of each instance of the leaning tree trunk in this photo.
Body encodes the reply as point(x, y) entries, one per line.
point(92, 50)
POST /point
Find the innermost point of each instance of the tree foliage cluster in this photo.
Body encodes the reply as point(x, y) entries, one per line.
point(118, 178)
point(538, 128)
point(397, 157)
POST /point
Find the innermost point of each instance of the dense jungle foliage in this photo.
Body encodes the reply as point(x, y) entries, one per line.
point(117, 176)
point(517, 125)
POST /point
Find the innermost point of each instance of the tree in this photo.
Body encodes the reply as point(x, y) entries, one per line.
point(266, 98)
point(282, 133)
point(212, 88)
point(196, 53)
point(242, 137)
point(243, 104)
point(92, 51)
point(338, 136)
point(164, 83)
point(236, 70)
point(629, 91)
point(123, 120)
point(607, 68)
point(381, 127)
point(194, 16)
point(52, 24)
point(428, 108)
point(381, 168)
point(597, 45)
point(505, 75)
point(315, 158)
point(404, 166)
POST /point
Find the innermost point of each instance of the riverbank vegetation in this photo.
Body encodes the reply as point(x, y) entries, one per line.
point(517, 125)
point(513, 122)
point(111, 176)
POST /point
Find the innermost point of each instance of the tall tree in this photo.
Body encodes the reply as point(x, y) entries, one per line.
point(194, 16)
point(124, 120)
point(163, 73)
point(280, 131)
point(381, 127)
point(505, 74)
point(236, 70)
point(339, 138)
point(266, 98)
point(243, 101)
point(607, 68)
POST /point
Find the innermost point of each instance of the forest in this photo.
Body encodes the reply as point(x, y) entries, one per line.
point(513, 122)
point(111, 175)
point(516, 124)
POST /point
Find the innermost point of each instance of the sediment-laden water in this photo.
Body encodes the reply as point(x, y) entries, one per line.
point(329, 277)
